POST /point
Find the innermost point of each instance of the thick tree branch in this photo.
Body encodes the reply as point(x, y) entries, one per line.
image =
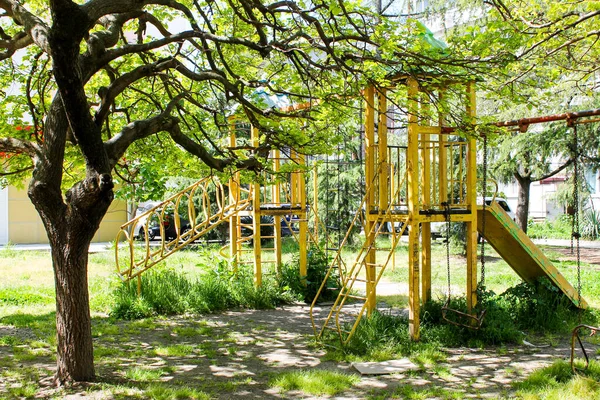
point(17, 146)
point(556, 171)
point(34, 26)
point(123, 82)
point(118, 144)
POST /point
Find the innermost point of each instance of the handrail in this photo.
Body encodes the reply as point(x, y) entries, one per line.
point(141, 227)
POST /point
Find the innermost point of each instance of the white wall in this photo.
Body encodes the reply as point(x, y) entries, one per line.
point(540, 203)
point(4, 216)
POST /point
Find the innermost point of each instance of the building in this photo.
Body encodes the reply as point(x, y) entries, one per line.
point(21, 224)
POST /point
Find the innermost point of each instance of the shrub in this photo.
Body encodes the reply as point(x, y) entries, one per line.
point(317, 265)
point(538, 307)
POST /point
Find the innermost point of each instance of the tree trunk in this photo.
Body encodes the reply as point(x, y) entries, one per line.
point(70, 226)
point(522, 213)
point(75, 354)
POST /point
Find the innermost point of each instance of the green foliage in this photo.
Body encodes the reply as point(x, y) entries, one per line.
point(557, 381)
point(306, 288)
point(539, 308)
point(590, 224)
point(167, 292)
point(557, 229)
point(340, 191)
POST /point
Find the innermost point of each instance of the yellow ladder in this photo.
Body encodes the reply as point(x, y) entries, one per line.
point(140, 255)
point(348, 305)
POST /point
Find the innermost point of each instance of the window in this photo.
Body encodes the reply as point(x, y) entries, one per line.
point(591, 178)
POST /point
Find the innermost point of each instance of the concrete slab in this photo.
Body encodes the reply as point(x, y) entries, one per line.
point(385, 367)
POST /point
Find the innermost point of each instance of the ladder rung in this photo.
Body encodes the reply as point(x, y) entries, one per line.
point(373, 265)
point(363, 280)
point(355, 297)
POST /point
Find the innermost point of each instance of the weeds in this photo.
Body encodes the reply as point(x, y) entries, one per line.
point(167, 292)
point(306, 288)
point(558, 381)
point(537, 308)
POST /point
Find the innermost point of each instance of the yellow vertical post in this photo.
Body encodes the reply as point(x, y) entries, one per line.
point(315, 204)
point(370, 170)
point(382, 149)
point(256, 220)
point(276, 198)
point(442, 155)
point(234, 197)
point(303, 224)
point(426, 200)
point(413, 209)
point(471, 204)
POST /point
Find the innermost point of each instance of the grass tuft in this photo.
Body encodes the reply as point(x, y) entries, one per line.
point(315, 382)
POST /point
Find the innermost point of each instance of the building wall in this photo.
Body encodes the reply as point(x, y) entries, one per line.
point(3, 215)
point(25, 225)
point(541, 205)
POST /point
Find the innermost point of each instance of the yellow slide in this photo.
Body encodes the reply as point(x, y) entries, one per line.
point(517, 249)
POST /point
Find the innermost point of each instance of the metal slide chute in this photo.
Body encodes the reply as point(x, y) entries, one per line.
point(520, 253)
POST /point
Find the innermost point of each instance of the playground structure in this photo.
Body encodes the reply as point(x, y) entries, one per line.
point(431, 177)
point(208, 203)
point(418, 170)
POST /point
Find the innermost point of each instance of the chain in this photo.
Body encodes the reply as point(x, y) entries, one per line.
point(575, 224)
point(485, 168)
point(446, 206)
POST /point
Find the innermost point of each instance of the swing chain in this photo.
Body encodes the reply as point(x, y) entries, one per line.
point(485, 171)
point(575, 223)
point(446, 206)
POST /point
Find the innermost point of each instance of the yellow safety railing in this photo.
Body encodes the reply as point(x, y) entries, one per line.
point(205, 204)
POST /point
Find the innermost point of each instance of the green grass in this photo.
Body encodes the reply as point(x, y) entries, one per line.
point(558, 381)
point(314, 382)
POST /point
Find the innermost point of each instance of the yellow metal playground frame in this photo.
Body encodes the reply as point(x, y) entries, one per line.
point(218, 204)
point(430, 187)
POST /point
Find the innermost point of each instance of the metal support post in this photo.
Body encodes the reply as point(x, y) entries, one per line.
point(413, 210)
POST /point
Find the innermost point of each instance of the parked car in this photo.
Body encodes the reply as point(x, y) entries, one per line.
point(153, 226)
point(168, 227)
point(267, 225)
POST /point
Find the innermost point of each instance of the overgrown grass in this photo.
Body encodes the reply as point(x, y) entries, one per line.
point(315, 382)
point(558, 381)
point(168, 292)
point(557, 229)
point(527, 308)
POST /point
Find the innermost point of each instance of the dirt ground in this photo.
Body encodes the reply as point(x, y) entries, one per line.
point(249, 348)
point(587, 255)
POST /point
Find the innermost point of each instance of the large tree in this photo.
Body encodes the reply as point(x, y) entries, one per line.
point(91, 87)
point(550, 55)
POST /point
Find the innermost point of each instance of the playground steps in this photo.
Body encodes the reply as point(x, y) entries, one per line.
point(517, 249)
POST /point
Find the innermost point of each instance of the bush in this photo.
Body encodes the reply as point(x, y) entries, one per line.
point(538, 307)
point(317, 265)
point(557, 229)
